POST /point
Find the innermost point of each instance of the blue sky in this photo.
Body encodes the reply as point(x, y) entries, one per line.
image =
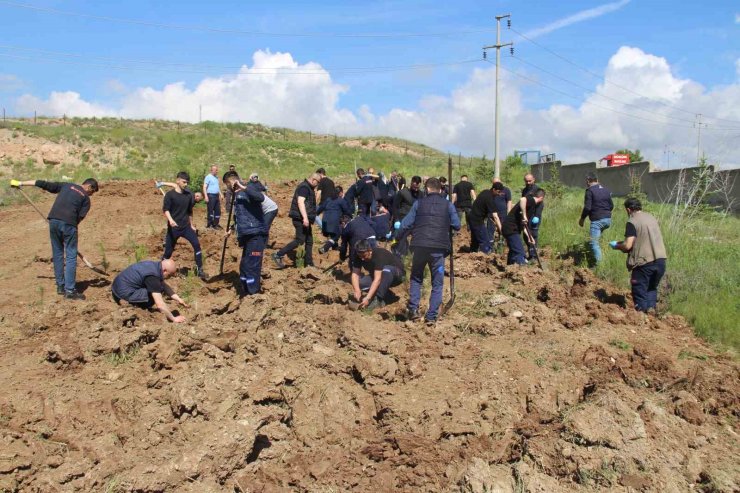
point(91, 57)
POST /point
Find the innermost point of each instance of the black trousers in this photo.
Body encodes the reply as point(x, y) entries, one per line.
point(214, 210)
point(645, 280)
point(303, 236)
point(170, 240)
point(392, 276)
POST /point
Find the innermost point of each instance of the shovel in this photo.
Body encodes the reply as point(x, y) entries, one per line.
point(87, 263)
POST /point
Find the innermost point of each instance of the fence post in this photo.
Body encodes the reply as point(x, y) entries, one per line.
point(34, 117)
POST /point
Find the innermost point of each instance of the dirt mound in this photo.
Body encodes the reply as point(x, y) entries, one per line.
point(536, 381)
point(18, 147)
point(377, 145)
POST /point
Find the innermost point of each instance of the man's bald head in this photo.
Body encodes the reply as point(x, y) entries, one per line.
point(169, 268)
point(529, 179)
point(496, 180)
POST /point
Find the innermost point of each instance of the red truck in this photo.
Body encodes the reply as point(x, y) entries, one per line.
point(616, 159)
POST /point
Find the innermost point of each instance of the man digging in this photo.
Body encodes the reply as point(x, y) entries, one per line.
point(385, 270)
point(142, 285)
point(70, 208)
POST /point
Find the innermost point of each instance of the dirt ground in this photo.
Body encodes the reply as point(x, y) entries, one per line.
point(535, 381)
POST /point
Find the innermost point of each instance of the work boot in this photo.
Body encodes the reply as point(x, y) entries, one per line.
point(375, 303)
point(430, 322)
point(74, 295)
point(278, 260)
point(412, 315)
point(60, 289)
point(201, 274)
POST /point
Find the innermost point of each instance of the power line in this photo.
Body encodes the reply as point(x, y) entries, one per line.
point(607, 81)
point(178, 27)
point(77, 59)
point(612, 110)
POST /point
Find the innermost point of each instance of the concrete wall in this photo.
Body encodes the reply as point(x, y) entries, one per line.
point(657, 185)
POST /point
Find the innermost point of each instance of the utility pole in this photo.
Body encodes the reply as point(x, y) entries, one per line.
point(698, 125)
point(498, 46)
point(200, 113)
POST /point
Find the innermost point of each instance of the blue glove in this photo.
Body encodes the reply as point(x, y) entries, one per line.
point(613, 244)
point(158, 184)
point(397, 225)
point(535, 220)
point(388, 236)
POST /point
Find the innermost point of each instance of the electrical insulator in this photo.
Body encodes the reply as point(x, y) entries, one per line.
point(512, 51)
point(508, 23)
point(485, 55)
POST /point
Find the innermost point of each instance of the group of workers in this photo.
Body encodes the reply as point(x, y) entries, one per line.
point(375, 211)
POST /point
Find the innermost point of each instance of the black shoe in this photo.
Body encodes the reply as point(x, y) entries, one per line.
point(323, 249)
point(430, 321)
point(309, 265)
point(218, 227)
point(74, 295)
point(412, 315)
point(278, 260)
point(375, 303)
point(60, 289)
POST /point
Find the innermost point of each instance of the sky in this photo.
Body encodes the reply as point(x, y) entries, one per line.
point(586, 77)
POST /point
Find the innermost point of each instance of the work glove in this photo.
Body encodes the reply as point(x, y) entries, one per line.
point(397, 225)
point(535, 220)
point(158, 184)
point(15, 183)
point(613, 244)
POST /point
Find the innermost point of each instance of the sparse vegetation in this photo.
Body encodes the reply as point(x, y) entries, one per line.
point(620, 344)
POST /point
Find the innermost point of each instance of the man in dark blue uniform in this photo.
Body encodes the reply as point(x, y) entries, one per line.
point(531, 188)
point(597, 206)
point(429, 222)
point(70, 208)
point(142, 285)
point(251, 229)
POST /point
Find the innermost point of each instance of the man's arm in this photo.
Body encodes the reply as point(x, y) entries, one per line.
point(205, 190)
point(473, 195)
point(497, 222)
point(302, 210)
point(454, 218)
point(49, 186)
point(166, 205)
point(454, 197)
point(162, 307)
point(171, 293)
point(587, 200)
point(356, 283)
point(523, 207)
point(83, 210)
point(626, 245)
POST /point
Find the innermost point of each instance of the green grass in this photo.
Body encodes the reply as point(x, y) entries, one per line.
point(702, 280)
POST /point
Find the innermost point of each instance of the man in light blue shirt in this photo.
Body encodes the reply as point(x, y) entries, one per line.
point(213, 197)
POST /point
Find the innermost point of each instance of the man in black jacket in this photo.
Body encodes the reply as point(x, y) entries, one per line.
point(385, 271)
point(517, 225)
point(303, 214)
point(531, 188)
point(429, 221)
point(597, 206)
point(70, 208)
point(402, 204)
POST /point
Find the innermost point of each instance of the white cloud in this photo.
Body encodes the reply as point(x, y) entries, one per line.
point(581, 16)
point(460, 120)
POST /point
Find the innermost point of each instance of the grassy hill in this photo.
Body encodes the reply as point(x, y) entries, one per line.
point(703, 280)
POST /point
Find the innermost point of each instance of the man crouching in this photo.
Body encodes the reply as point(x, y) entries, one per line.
point(142, 285)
